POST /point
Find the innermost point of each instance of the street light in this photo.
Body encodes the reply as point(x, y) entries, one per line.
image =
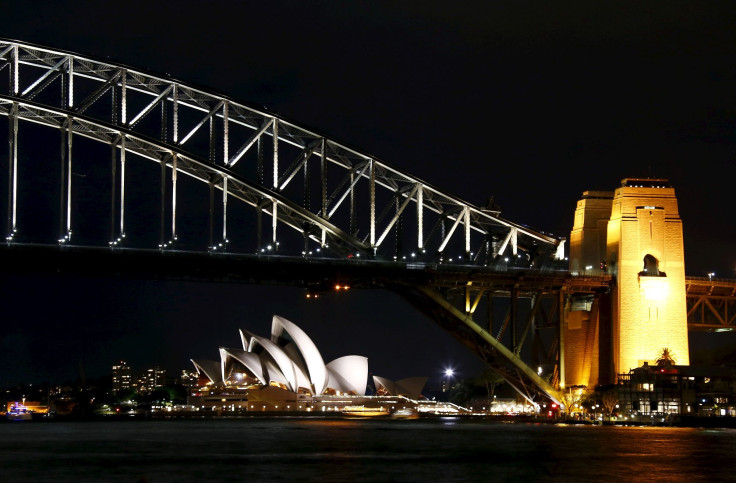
point(449, 372)
point(711, 275)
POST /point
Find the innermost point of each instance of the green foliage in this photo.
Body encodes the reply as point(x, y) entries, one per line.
point(666, 358)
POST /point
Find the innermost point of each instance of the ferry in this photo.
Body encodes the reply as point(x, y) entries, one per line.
point(18, 412)
point(405, 413)
point(364, 412)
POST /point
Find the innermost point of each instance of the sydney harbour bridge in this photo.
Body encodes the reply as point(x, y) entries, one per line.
point(115, 171)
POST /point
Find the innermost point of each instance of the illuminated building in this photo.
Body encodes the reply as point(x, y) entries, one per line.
point(410, 387)
point(285, 372)
point(635, 235)
point(656, 390)
point(188, 378)
point(121, 376)
point(151, 379)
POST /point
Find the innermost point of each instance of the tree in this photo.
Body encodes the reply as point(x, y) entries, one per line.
point(489, 379)
point(609, 400)
point(572, 398)
point(666, 358)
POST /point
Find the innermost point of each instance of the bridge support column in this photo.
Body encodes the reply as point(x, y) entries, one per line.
point(162, 224)
point(561, 338)
point(12, 172)
point(65, 197)
point(259, 225)
point(274, 224)
point(174, 168)
point(212, 214)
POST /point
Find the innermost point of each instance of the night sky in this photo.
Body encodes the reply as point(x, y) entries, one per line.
point(529, 102)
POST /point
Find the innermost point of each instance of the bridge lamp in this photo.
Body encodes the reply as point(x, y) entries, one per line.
point(711, 275)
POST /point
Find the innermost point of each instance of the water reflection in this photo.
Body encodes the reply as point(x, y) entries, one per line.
point(370, 450)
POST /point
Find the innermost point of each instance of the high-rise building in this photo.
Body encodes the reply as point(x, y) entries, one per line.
point(188, 378)
point(151, 379)
point(121, 377)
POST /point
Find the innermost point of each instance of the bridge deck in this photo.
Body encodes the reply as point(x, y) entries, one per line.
point(310, 273)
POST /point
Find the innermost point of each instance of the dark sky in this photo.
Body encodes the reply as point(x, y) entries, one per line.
point(531, 102)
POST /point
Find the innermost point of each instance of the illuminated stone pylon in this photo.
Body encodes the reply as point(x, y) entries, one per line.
point(634, 234)
point(646, 256)
point(585, 338)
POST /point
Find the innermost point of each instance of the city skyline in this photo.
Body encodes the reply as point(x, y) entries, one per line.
point(531, 107)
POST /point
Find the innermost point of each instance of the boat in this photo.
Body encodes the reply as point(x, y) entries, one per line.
point(364, 412)
point(18, 412)
point(405, 413)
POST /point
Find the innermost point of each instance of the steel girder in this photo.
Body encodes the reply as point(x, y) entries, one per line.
point(172, 157)
point(711, 304)
point(506, 361)
point(240, 149)
point(523, 344)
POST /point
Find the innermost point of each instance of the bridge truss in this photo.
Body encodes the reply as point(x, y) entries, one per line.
point(334, 197)
point(271, 189)
point(711, 304)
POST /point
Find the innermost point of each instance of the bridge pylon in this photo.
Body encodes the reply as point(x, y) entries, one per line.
point(635, 235)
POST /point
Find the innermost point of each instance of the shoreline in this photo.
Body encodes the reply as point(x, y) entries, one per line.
point(710, 422)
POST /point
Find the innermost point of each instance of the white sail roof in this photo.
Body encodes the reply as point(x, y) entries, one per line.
point(387, 384)
point(290, 359)
point(293, 374)
point(273, 373)
point(244, 339)
point(250, 360)
point(315, 365)
point(348, 374)
point(210, 369)
point(410, 387)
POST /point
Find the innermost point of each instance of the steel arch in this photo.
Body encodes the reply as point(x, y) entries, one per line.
point(114, 104)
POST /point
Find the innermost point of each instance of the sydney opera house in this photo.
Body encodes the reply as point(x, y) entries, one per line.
point(286, 372)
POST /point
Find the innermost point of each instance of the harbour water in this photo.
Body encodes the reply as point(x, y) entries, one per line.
point(289, 449)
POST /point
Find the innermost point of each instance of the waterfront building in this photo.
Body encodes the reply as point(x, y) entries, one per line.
point(121, 376)
point(664, 390)
point(286, 372)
